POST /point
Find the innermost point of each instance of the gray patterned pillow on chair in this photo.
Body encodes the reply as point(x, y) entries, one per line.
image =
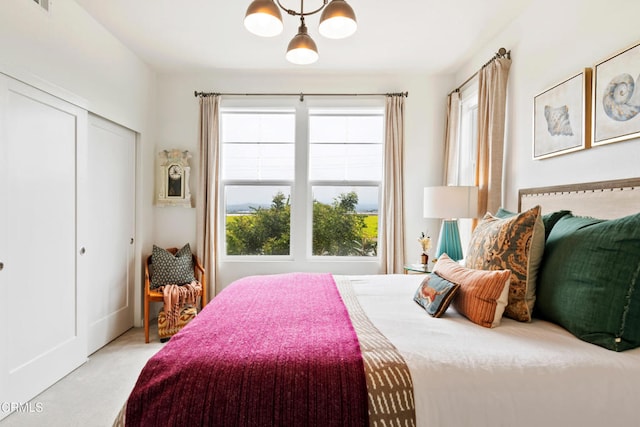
point(169, 269)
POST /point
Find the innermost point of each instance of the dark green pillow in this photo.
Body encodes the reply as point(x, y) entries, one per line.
point(549, 220)
point(589, 280)
point(435, 294)
point(169, 269)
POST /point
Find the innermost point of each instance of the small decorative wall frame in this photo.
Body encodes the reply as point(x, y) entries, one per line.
point(173, 178)
point(616, 95)
point(562, 117)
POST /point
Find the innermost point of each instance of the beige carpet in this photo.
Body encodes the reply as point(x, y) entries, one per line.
point(93, 394)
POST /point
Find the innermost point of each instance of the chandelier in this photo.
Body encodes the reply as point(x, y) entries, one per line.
point(337, 21)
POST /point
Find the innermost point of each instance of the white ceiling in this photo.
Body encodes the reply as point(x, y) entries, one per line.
point(418, 35)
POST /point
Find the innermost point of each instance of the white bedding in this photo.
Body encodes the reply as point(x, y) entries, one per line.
point(518, 374)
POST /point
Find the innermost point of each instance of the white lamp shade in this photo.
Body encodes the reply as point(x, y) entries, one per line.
point(450, 202)
point(338, 20)
point(263, 18)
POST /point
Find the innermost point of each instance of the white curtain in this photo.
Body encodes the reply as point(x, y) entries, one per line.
point(492, 97)
point(392, 221)
point(451, 144)
point(207, 194)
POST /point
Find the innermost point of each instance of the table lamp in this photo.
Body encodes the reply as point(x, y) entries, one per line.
point(450, 203)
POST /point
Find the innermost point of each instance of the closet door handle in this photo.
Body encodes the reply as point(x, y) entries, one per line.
point(1, 265)
point(131, 241)
point(82, 250)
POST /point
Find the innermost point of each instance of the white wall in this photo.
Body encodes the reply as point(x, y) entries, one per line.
point(69, 49)
point(551, 41)
point(424, 109)
point(67, 53)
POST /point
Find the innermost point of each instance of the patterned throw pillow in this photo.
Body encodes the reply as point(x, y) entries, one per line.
point(515, 243)
point(169, 269)
point(482, 296)
point(548, 220)
point(435, 294)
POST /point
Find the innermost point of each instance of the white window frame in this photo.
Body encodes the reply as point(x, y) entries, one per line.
point(359, 111)
point(468, 136)
point(300, 245)
point(223, 183)
point(467, 149)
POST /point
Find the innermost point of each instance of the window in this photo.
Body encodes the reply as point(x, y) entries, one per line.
point(301, 182)
point(468, 138)
point(468, 149)
point(257, 172)
point(345, 172)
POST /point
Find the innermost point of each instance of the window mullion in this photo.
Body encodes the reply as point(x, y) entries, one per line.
point(300, 193)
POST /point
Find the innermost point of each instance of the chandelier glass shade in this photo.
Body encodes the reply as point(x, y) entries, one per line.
point(263, 18)
point(302, 49)
point(337, 21)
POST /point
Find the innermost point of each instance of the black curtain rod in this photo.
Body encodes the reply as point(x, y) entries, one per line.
point(502, 53)
point(301, 94)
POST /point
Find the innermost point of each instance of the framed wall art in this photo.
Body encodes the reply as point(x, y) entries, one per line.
point(562, 117)
point(173, 178)
point(616, 95)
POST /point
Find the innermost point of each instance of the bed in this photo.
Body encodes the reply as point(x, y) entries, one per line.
point(316, 349)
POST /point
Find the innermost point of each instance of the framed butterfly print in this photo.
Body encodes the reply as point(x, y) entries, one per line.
point(562, 117)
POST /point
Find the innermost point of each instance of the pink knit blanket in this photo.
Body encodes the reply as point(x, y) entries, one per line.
point(274, 350)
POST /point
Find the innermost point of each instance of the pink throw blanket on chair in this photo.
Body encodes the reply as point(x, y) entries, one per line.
point(175, 297)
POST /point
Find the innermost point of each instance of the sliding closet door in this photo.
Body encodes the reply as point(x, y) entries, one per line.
point(110, 254)
point(42, 322)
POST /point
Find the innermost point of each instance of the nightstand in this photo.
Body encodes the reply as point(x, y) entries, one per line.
point(416, 269)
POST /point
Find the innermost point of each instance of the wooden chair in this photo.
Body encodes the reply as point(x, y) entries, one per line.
point(153, 295)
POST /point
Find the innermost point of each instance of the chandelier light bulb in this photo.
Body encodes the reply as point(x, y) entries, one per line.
point(263, 18)
point(302, 49)
point(338, 20)
point(302, 56)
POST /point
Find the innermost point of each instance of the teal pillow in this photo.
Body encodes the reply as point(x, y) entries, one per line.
point(589, 280)
point(435, 294)
point(503, 213)
point(169, 269)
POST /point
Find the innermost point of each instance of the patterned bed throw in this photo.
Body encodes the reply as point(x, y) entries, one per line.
point(389, 383)
point(276, 350)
